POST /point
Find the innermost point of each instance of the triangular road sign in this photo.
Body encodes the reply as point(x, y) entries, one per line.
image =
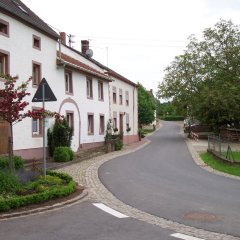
point(49, 95)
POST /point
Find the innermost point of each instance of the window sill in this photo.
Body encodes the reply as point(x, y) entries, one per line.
point(4, 34)
point(37, 48)
point(69, 93)
point(36, 135)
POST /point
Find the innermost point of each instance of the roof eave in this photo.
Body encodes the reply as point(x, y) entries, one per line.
point(61, 62)
point(53, 36)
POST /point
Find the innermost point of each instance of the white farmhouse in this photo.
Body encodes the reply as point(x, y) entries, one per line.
point(27, 48)
point(88, 93)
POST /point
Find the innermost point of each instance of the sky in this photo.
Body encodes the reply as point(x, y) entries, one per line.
point(136, 38)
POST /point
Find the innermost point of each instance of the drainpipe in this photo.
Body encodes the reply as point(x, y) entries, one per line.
point(133, 108)
point(60, 49)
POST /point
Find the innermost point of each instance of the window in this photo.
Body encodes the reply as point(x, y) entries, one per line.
point(36, 74)
point(120, 97)
point(114, 123)
point(101, 125)
point(4, 28)
point(4, 68)
point(90, 124)
point(36, 42)
point(114, 120)
point(68, 82)
point(127, 121)
point(127, 98)
point(70, 119)
point(89, 88)
point(100, 90)
point(114, 95)
point(36, 126)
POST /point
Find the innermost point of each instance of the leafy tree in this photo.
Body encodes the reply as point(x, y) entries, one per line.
point(146, 106)
point(204, 82)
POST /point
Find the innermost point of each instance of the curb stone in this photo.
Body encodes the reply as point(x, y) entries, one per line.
point(39, 210)
point(197, 159)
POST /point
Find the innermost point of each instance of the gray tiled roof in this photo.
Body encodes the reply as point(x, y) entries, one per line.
point(20, 11)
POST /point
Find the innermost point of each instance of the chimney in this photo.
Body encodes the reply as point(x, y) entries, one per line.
point(85, 46)
point(63, 37)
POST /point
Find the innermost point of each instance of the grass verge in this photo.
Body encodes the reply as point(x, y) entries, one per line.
point(220, 166)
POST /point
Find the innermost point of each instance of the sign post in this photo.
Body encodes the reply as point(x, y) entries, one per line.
point(44, 94)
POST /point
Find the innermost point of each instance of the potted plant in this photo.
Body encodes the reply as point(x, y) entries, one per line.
point(128, 129)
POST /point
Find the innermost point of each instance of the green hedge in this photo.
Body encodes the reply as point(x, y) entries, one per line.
point(56, 192)
point(8, 181)
point(63, 154)
point(172, 118)
point(4, 162)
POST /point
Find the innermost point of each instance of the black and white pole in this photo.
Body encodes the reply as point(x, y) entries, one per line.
point(43, 129)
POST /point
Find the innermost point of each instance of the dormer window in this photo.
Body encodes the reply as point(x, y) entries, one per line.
point(4, 28)
point(36, 42)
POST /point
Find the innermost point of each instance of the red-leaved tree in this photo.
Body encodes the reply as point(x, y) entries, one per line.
point(12, 105)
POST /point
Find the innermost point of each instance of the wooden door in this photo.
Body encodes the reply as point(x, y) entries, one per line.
point(4, 134)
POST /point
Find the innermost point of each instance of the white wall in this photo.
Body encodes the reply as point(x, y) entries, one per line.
point(131, 109)
point(19, 45)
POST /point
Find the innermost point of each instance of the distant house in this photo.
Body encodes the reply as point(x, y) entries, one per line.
point(84, 88)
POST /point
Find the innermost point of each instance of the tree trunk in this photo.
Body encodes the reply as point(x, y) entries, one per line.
point(10, 154)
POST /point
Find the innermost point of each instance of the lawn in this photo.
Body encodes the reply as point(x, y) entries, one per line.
point(220, 166)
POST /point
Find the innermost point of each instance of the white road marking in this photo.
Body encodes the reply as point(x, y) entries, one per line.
point(185, 237)
point(110, 210)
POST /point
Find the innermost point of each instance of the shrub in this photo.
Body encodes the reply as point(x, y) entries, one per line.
point(173, 118)
point(118, 144)
point(18, 162)
point(9, 183)
point(141, 133)
point(50, 142)
point(45, 195)
point(63, 154)
point(60, 136)
point(71, 153)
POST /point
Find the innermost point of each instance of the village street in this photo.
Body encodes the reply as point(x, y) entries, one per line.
point(157, 183)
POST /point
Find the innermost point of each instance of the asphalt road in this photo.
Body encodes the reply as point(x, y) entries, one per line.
point(80, 222)
point(163, 180)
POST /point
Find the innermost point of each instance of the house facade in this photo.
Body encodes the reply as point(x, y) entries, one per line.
point(82, 86)
point(27, 48)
